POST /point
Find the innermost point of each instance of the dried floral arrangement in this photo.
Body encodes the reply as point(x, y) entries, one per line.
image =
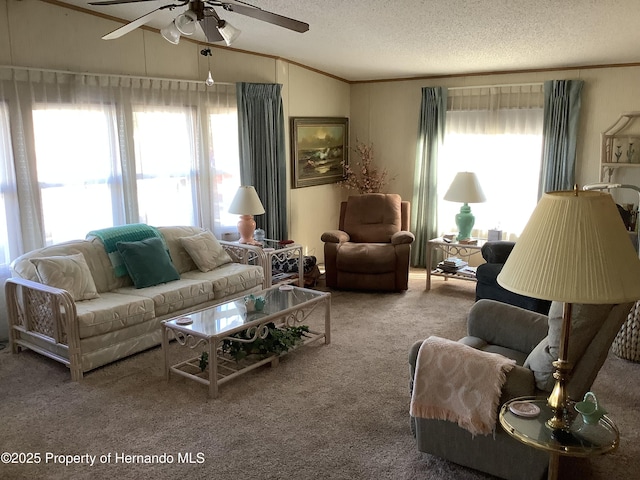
point(362, 175)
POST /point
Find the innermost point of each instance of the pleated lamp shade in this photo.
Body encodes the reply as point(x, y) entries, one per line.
point(574, 249)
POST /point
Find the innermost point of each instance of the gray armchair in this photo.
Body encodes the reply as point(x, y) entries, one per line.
point(530, 338)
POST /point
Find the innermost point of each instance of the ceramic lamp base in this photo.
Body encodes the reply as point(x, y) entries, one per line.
point(246, 227)
point(464, 222)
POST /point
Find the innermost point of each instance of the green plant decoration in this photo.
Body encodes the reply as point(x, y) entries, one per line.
point(204, 361)
point(277, 341)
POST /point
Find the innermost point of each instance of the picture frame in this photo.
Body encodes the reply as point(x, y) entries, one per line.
point(319, 150)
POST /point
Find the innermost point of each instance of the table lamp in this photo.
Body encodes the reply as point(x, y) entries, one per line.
point(246, 203)
point(465, 188)
point(574, 249)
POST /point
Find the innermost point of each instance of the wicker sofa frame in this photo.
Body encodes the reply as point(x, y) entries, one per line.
point(45, 319)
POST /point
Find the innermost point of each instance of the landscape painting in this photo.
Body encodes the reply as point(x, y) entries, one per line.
point(319, 146)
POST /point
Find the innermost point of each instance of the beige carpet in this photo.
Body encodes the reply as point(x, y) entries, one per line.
point(329, 412)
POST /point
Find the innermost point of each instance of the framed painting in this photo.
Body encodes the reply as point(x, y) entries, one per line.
point(319, 146)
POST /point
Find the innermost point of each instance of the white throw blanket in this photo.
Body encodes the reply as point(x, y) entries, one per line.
point(459, 383)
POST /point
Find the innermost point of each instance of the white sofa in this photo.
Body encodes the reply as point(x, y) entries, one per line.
point(123, 319)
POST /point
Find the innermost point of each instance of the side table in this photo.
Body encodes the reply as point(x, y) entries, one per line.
point(581, 440)
point(450, 249)
point(264, 255)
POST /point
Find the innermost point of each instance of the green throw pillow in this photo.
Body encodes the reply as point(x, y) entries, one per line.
point(147, 262)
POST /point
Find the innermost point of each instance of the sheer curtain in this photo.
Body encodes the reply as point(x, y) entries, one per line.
point(91, 151)
point(84, 151)
point(495, 132)
point(10, 241)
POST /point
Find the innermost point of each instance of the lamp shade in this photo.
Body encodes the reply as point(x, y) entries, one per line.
point(246, 202)
point(186, 22)
point(171, 34)
point(229, 32)
point(574, 249)
point(465, 188)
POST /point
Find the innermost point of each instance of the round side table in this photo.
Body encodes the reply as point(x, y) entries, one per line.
point(580, 440)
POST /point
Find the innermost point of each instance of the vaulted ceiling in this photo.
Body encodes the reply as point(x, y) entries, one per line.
point(374, 39)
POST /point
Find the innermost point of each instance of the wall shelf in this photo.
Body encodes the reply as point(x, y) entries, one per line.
point(620, 145)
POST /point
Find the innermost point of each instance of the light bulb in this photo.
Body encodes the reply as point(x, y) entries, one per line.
point(209, 81)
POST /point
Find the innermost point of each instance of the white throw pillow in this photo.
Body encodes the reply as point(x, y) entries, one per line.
point(70, 273)
point(205, 250)
point(586, 321)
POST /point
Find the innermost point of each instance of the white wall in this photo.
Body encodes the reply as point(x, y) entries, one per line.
point(314, 210)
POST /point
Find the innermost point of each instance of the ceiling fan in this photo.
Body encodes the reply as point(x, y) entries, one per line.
point(202, 12)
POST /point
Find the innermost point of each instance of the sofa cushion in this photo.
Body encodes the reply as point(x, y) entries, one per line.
point(205, 250)
point(112, 311)
point(586, 321)
point(229, 279)
point(147, 262)
point(174, 296)
point(70, 273)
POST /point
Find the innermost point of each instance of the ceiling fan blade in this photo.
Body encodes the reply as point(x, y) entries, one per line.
point(265, 16)
point(117, 2)
point(209, 26)
point(118, 32)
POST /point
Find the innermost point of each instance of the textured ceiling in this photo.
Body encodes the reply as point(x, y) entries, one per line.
point(375, 39)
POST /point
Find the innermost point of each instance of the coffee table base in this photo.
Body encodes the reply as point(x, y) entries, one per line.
point(226, 368)
point(221, 367)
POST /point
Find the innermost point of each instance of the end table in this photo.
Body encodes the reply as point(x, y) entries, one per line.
point(581, 440)
point(450, 249)
point(264, 255)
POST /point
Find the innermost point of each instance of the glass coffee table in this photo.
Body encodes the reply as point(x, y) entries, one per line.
point(207, 329)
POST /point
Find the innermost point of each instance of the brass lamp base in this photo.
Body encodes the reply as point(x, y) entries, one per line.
point(559, 397)
point(557, 401)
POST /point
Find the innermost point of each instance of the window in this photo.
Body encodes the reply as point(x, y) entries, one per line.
point(496, 133)
point(225, 152)
point(74, 167)
point(165, 158)
point(93, 151)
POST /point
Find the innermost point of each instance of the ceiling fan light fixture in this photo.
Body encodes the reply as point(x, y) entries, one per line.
point(228, 32)
point(186, 22)
point(170, 33)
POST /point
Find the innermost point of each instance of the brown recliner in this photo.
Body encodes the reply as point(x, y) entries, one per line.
point(372, 247)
